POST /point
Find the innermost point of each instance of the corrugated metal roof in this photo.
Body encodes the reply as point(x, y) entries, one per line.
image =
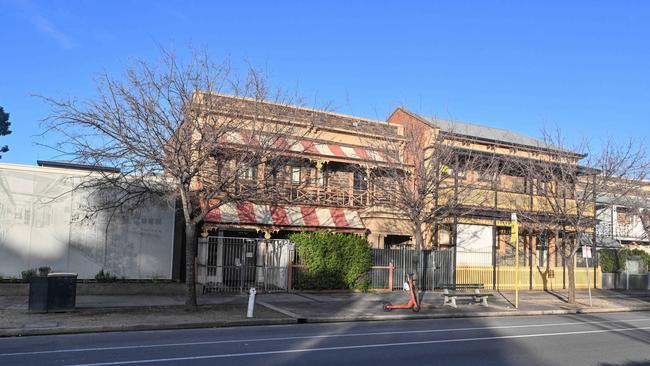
point(488, 133)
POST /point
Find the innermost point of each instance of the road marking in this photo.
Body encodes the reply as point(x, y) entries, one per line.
point(338, 348)
point(336, 335)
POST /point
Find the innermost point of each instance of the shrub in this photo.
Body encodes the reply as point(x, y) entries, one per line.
point(612, 260)
point(102, 276)
point(608, 260)
point(332, 261)
point(44, 271)
point(27, 274)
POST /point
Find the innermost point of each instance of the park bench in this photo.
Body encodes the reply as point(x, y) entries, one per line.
point(451, 293)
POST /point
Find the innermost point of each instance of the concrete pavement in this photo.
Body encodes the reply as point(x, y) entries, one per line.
point(119, 313)
point(604, 339)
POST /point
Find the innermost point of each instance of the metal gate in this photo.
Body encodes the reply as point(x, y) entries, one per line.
point(435, 268)
point(228, 264)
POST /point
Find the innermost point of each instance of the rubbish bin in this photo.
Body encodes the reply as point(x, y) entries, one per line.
point(61, 292)
point(38, 294)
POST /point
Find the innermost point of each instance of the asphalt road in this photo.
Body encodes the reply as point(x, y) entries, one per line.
point(601, 339)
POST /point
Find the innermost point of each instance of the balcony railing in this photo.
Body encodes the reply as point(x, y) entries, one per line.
point(326, 196)
point(509, 201)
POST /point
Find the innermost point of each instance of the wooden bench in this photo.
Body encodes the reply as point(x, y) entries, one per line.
point(450, 294)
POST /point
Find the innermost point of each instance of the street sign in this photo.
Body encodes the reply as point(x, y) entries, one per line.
point(586, 251)
point(514, 228)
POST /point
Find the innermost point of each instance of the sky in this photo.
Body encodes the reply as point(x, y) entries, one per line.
point(580, 66)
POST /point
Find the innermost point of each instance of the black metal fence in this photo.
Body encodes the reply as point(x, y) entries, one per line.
point(235, 264)
point(435, 267)
point(390, 267)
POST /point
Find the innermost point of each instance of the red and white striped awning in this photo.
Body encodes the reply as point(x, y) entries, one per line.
point(320, 148)
point(270, 215)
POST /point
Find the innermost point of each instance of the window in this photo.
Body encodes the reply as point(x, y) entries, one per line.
point(542, 187)
point(519, 184)
point(360, 181)
point(295, 175)
point(488, 175)
point(444, 235)
point(248, 173)
point(623, 216)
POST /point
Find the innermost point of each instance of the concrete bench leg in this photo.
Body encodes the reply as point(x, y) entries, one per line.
point(451, 301)
point(484, 301)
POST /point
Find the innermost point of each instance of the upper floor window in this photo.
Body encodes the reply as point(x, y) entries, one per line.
point(248, 173)
point(543, 187)
point(360, 181)
point(488, 175)
point(295, 175)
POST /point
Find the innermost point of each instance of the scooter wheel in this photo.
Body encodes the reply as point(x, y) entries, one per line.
point(386, 307)
point(415, 308)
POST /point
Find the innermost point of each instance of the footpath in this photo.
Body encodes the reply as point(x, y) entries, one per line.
point(153, 312)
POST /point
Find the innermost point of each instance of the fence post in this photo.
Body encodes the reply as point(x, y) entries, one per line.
point(390, 275)
point(290, 276)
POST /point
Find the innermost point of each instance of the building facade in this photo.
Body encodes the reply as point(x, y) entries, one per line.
point(43, 223)
point(331, 184)
point(620, 225)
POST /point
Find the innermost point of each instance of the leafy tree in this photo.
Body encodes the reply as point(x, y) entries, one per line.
point(4, 129)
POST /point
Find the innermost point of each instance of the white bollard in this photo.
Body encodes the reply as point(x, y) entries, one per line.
point(251, 302)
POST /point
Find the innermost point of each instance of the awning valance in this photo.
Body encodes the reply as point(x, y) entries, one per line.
point(289, 216)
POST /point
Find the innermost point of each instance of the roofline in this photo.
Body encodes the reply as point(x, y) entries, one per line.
point(307, 109)
point(530, 147)
point(45, 169)
point(76, 166)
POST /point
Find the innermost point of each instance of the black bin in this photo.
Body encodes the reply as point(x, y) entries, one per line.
point(62, 291)
point(38, 294)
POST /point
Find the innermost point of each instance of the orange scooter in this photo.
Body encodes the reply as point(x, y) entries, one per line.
point(413, 303)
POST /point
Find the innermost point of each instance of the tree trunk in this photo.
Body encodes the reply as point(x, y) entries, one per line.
point(572, 278)
point(417, 258)
point(190, 262)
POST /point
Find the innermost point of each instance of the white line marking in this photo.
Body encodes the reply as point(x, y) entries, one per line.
point(337, 348)
point(270, 339)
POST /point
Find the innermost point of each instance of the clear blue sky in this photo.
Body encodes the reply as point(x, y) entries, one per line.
point(582, 65)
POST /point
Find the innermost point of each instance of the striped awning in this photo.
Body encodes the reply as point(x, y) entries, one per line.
point(278, 216)
point(320, 148)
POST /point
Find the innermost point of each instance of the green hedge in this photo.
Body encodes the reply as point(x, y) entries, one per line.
point(612, 260)
point(332, 261)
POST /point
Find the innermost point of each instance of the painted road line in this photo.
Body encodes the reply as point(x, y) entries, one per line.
point(320, 336)
point(339, 348)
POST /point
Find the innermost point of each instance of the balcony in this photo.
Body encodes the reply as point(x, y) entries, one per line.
point(326, 196)
point(481, 197)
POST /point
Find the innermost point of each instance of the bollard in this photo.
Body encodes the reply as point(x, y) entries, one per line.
point(251, 302)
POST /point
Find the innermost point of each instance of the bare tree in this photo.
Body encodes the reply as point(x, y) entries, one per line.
point(170, 131)
point(424, 179)
point(570, 182)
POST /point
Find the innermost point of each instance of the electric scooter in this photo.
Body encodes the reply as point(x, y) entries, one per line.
point(413, 303)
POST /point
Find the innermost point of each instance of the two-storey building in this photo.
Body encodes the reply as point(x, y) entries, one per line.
point(329, 184)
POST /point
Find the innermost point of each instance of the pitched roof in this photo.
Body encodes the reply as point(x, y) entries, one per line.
point(487, 133)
